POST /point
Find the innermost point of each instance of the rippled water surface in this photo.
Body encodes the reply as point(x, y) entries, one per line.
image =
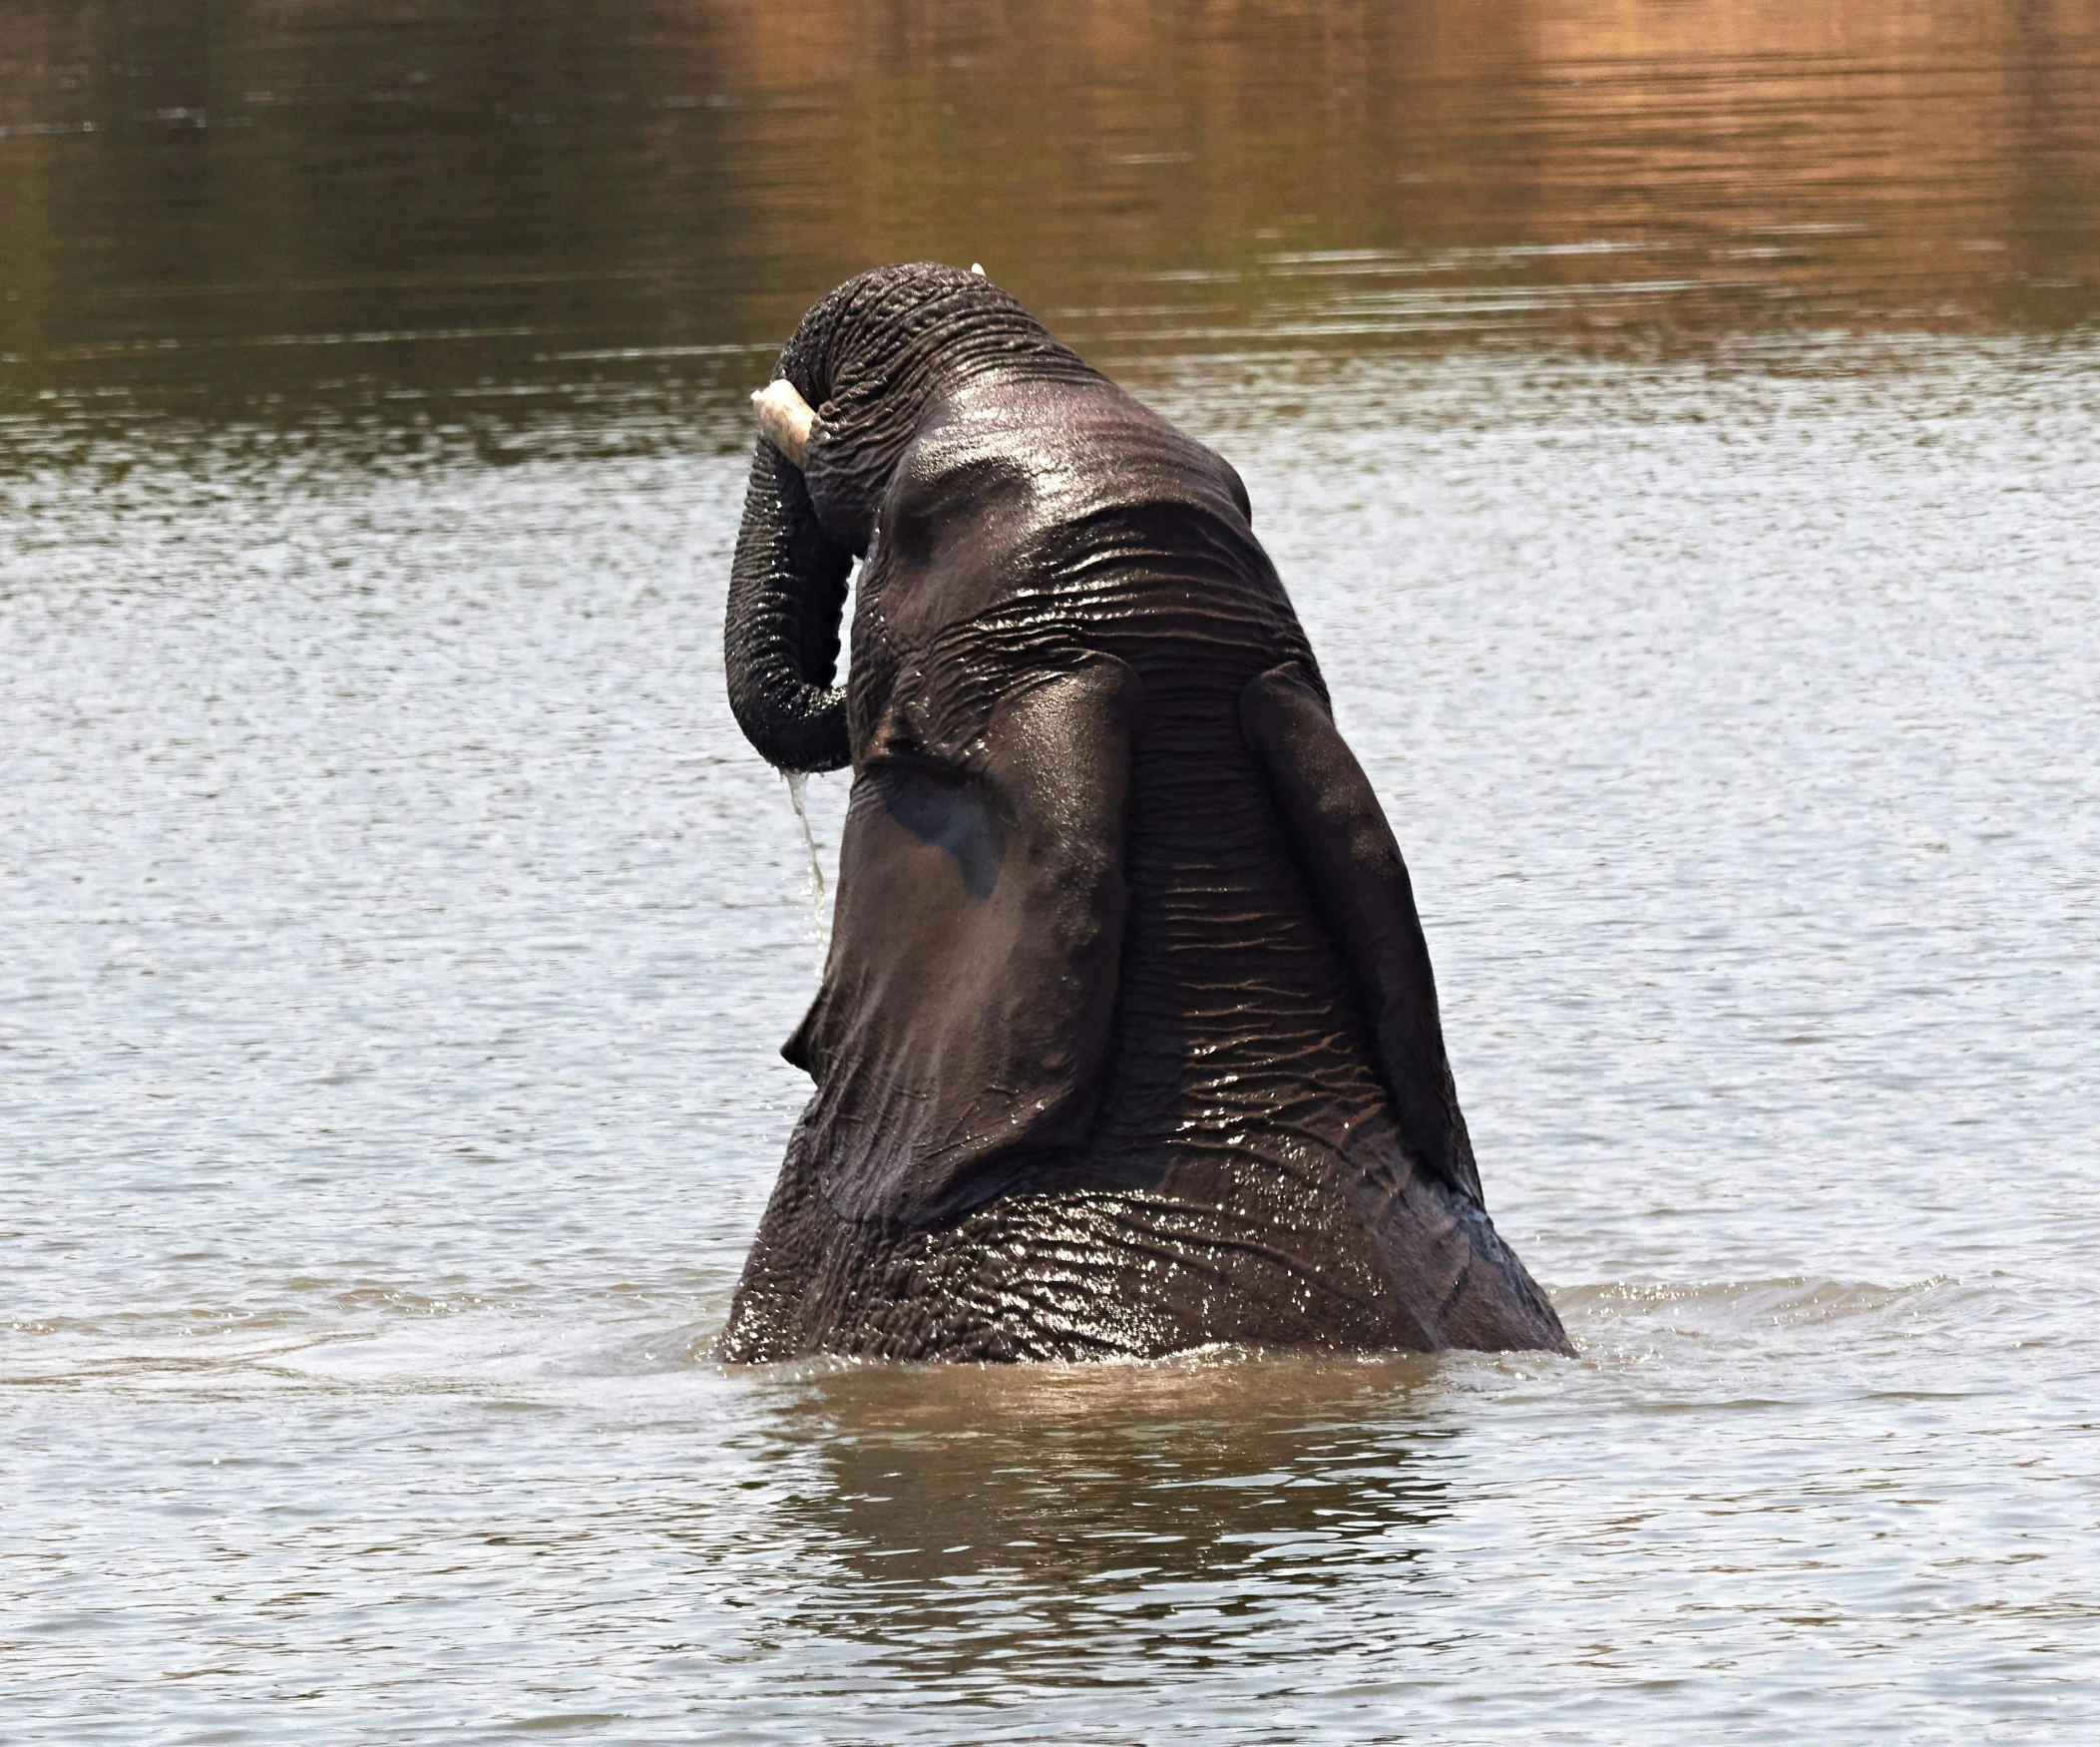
point(1680, 430)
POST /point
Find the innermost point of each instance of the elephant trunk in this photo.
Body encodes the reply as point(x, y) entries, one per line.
point(787, 587)
point(870, 356)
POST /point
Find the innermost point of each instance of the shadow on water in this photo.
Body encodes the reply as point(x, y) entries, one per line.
point(973, 1516)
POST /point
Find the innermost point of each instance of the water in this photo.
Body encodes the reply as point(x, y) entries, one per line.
point(820, 918)
point(1680, 434)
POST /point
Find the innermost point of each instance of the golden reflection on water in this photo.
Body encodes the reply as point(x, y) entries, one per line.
point(238, 201)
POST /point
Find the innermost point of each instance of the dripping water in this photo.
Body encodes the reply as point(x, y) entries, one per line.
point(798, 787)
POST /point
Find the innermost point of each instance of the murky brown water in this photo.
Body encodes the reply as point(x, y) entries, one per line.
point(1680, 429)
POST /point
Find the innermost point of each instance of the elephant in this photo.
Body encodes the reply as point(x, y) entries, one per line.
point(1128, 1040)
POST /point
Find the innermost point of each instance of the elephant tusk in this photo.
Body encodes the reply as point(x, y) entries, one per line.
point(786, 420)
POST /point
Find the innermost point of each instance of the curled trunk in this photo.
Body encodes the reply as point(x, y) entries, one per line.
point(868, 358)
point(787, 587)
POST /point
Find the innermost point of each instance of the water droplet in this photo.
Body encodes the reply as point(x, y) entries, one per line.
point(819, 933)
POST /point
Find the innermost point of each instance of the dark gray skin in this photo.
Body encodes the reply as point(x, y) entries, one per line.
point(1127, 1041)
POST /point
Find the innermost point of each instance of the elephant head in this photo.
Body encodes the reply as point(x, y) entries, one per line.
point(869, 358)
point(1126, 1039)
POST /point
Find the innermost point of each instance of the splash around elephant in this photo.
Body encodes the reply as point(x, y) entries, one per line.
point(1127, 1041)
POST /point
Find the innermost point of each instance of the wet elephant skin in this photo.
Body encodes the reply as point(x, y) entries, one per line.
point(1128, 1040)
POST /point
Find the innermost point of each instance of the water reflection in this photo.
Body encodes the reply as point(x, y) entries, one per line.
point(1057, 1513)
point(474, 217)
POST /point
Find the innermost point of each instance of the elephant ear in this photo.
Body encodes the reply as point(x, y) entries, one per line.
point(964, 1019)
point(1362, 887)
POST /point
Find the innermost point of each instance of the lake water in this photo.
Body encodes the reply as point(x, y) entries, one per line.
point(1680, 430)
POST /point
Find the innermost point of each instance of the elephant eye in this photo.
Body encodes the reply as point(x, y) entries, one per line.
point(906, 535)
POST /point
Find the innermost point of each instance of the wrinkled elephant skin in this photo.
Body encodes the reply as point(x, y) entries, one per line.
point(1127, 1041)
